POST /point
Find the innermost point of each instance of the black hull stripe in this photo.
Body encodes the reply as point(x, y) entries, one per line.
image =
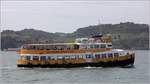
point(100, 64)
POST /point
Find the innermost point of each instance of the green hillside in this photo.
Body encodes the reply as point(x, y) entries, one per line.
point(125, 35)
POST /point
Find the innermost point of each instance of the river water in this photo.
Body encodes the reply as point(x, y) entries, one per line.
point(10, 74)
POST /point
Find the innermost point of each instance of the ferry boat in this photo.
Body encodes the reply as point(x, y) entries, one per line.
point(95, 51)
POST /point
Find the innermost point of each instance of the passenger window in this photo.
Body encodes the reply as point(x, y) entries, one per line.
point(77, 56)
point(49, 57)
point(35, 57)
point(59, 57)
point(88, 56)
point(76, 46)
point(103, 55)
point(23, 47)
point(43, 57)
point(116, 54)
point(97, 55)
point(91, 46)
point(80, 56)
point(96, 46)
point(52, 57)
point(22, 57)
point(109, 45)
point(110, 54)
point(67, 57)
point(103, 46)
point(72, 57)
point(28, 57)
point(85, 46)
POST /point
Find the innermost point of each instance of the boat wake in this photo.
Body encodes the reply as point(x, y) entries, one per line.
point(7, 67)
point(129, 66)
point(89, 67)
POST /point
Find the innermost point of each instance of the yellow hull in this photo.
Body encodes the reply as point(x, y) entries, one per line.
point(75, 61)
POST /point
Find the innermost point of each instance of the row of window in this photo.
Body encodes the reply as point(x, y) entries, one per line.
point(50, 57)
point(87, 56)
point(106, 55)
point(49, 47)
point(66, 47)
point(98, 46)
point(95, 46)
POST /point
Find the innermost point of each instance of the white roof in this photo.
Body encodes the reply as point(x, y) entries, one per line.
point(54, 44)
point(117, 50)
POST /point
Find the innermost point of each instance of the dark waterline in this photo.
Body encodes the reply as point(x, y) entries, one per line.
point(10, 74)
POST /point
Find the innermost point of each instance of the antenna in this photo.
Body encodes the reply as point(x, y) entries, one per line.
point(99, 23)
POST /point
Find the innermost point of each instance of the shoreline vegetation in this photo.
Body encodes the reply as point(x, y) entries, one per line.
point(127, 35)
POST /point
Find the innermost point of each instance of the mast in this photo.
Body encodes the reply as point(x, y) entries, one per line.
point(99, 24)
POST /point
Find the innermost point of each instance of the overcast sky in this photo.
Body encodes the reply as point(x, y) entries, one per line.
point(67, 16)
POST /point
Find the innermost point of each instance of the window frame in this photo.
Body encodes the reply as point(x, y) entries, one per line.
point(89, 56)
point(41, 57)
point(34, 58)
point(104, 55)
point(110, 54)
point(103, 46)
point(96, 46)
point(27, 57)
point(116, 55)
